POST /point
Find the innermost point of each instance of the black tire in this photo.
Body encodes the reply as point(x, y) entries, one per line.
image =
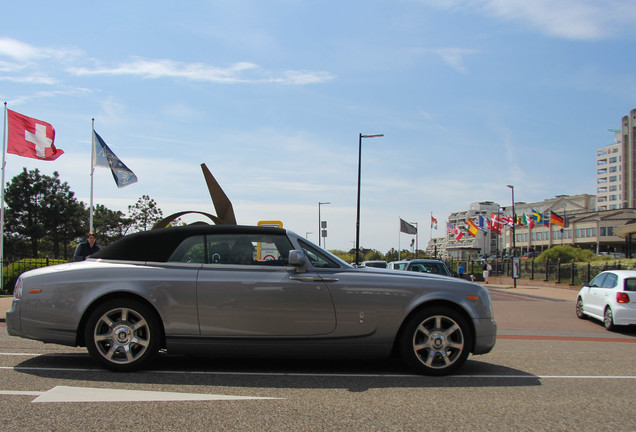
point(123, 334)
point(608, 319)
point(579, 309)
point(435, 341)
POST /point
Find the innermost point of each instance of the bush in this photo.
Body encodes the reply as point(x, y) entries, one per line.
point(565, 254)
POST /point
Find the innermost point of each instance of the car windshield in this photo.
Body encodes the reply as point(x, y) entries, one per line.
point(435, 268)
point(378, 264)
point(320, 258)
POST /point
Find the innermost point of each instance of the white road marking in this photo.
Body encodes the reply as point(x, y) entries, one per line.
point(21, 354)
point(89, 394)
point(19, 393)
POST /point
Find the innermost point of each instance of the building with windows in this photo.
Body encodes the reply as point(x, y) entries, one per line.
point(585, 227)
point(616, 168)
point(468, 247)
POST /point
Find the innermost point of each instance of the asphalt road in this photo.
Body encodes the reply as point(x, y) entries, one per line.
point(549, 371)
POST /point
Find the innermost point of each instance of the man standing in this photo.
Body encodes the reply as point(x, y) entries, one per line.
point(86, 248)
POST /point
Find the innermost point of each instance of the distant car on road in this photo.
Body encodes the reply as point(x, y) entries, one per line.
point(204, 289)
point(377, 264)
point(422, 265)
point(609, 297)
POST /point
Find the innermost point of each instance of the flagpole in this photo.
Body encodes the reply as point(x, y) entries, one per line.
point(417, 239)
point(90, 212)
point(4, 146)
point(399, 239)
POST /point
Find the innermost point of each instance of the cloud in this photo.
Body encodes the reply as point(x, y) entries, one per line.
point(241, 72)
point(568, 19)
point(29, 79)
point(19, 100)
point(23, 65)
point(24, 52)
point(17, 50)
point(454, 57)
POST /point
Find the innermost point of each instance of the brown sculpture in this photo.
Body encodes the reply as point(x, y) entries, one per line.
point(222, 205)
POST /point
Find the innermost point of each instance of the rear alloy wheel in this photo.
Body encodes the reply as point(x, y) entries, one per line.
point(435, 341)
point(123, 334)
point(608, 320)
point(579, 308)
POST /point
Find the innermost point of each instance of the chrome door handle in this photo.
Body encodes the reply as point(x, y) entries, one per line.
point(306, 278)
point(313, 279)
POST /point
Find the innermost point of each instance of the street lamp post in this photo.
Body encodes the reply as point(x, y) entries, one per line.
point(358, 203)
point(320, 221)
point(514, 222)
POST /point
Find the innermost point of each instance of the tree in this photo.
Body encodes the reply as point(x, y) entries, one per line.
point(392, 255)
point(39, 208)
point(144, 214)
point(109, 225)
point(373, 255)
point(64, 215)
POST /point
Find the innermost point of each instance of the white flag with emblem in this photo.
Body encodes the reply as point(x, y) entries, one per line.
point(104, 157)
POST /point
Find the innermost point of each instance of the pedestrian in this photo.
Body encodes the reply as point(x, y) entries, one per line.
point(460, 270)
point(487, 268)
point(86, 248)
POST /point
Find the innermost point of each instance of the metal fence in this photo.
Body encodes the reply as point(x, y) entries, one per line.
point(570, 273)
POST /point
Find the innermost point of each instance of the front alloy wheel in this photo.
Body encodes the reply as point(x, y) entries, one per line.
point(123, 334)
point(579, 308)
point(436, 341)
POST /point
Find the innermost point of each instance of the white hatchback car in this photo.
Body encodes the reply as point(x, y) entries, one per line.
point(609, 297)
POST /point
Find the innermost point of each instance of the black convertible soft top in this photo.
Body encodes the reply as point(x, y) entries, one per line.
point(157, 245)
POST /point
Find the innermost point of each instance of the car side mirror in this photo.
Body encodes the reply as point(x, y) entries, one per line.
point(297, 259)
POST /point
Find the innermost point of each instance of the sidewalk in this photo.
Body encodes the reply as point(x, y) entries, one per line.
point(537, 291)
point(536, 288)
point(5, 305)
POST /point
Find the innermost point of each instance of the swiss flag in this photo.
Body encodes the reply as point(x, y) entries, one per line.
point(31, 138)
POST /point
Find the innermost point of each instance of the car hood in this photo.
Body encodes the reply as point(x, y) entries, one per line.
point(403, 272)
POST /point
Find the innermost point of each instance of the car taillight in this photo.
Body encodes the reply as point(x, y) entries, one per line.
point(17, 290)
point(622, 297)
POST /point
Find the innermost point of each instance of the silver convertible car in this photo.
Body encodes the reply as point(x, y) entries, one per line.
point(227, 290)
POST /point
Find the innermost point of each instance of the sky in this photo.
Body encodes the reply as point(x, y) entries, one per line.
point(470, 95)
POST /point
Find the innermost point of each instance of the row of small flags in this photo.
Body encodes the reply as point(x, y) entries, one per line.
point(496, 222)
point(33, 138)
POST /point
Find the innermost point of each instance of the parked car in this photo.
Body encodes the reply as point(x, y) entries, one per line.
point(206, 289)
point(377, 264)
point(422, 265)
point(613, 254)
point(609, 297)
